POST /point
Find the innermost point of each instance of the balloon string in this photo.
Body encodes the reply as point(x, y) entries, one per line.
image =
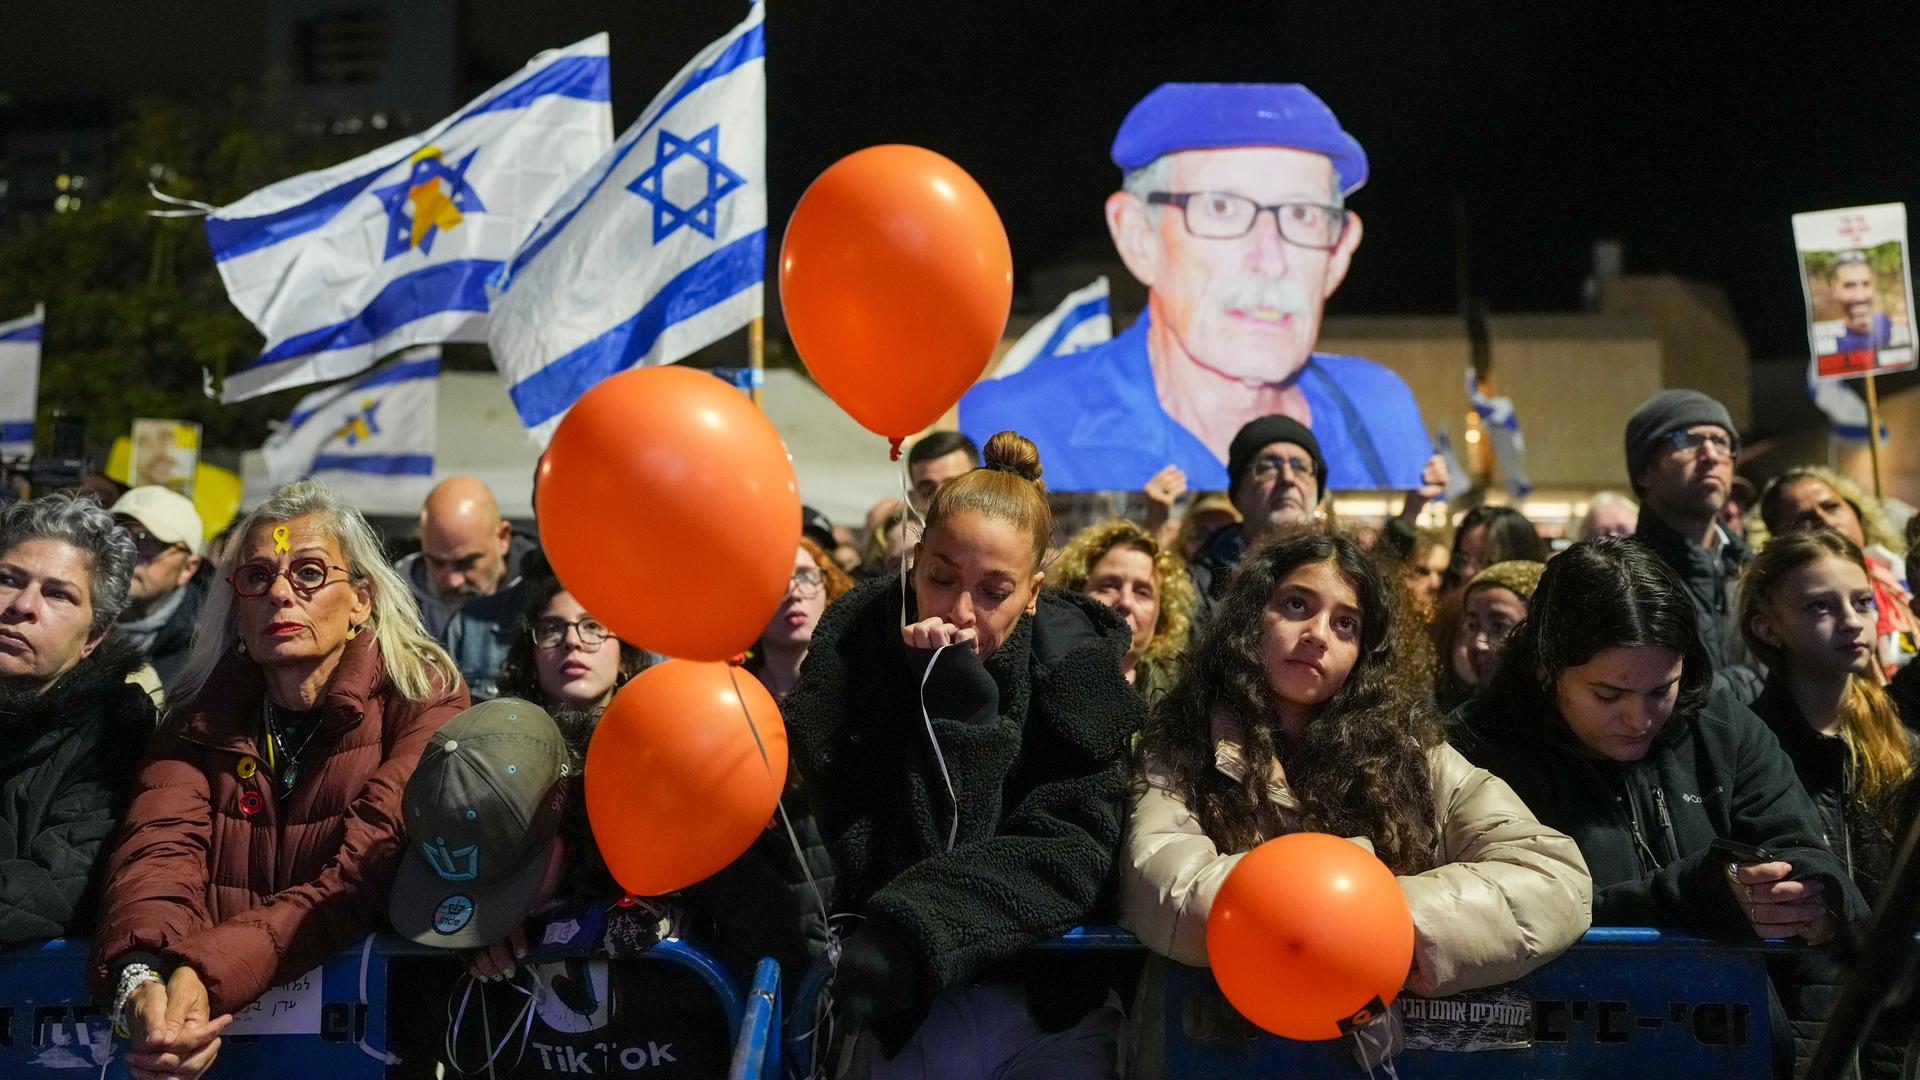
point(753, 728)
point(780, 807)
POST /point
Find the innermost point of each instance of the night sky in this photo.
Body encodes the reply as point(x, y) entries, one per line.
point(1691, 135)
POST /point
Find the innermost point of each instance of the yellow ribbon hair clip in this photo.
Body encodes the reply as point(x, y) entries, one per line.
point(280, 544)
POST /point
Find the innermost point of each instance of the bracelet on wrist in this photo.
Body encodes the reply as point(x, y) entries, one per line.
point(132, 978)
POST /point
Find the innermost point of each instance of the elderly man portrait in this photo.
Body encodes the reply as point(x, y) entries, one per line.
point(1232, 212)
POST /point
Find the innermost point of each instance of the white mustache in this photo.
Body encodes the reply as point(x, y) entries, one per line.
point(1284, 296)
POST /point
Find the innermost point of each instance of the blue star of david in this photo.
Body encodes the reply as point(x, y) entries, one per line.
point(394, 198)
point(721, 180)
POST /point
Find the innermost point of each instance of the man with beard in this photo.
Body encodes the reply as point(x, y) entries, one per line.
point(467, 551)
point(72, 727)
point(1851, 282)
point(1232, 213)
point(1681, 446)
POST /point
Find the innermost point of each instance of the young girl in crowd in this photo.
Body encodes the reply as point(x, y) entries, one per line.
point(562, 658)
point(816, 582)
point(1808, 612)
point(1493, 604)
point(1603, 719)
point(1121, 565)
point(1292, 715)
point(967, 770)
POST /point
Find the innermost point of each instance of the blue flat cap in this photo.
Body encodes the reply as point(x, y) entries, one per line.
point(1208, 116)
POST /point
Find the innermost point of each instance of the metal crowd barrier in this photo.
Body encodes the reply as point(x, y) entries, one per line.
point(337, 1030)
point(1622, 1001)
point(1625, 1001)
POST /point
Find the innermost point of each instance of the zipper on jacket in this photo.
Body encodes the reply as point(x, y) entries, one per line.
point(1666, 821)
point(1651, 861)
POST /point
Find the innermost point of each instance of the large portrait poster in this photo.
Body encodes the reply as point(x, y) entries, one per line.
point(1858, 285)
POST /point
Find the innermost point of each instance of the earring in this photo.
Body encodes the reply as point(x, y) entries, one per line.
point(240, 646)
point(352, 632)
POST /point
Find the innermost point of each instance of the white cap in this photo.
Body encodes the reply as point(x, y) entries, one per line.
point(167, 515)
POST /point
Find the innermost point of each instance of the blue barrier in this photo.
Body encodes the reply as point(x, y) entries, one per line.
point(756, 1054)
point(49, 1024)
point(1623, 1000)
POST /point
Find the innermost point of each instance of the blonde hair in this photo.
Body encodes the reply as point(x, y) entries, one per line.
point(1006, 486)
point(1091, 544)
point(1876, 738)
point(416, 664)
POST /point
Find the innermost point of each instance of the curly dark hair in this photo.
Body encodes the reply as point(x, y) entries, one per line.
point(1361, 767)
point(518, 676)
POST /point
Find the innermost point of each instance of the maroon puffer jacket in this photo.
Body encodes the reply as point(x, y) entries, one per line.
point(252, 900)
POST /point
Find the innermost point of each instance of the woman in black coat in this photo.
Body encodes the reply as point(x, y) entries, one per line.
point(1602, 717)
point(967, 770)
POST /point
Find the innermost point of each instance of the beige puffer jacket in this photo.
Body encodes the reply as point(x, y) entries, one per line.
point(1509, 893)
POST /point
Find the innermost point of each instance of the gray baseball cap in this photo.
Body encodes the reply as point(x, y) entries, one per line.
point(481, 813)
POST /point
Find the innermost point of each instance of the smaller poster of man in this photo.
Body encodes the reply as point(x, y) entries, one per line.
point(1859, 290)
point(165, 452)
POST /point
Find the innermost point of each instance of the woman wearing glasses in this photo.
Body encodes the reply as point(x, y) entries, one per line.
point(564, 658)
point(264, 827)
point(816, 582)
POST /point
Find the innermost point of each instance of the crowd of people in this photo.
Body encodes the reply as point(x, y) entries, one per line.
point(227, 759)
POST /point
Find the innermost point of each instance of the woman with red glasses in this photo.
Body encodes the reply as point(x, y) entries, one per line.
point(264, 827)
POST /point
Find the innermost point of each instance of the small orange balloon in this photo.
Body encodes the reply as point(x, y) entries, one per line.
point(1309, 936)
point(676, 784)
point(896, 279)
point(669, 508)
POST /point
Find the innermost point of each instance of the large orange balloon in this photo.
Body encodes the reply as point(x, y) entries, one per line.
point(896, 278)
point(1310, 932)
point(668, 507)
point(676, 786)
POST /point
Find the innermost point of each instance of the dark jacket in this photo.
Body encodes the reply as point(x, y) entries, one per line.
point(1035, 745)
point(1712, 579)
point(1645, 827)
point(436, 613)
point(1211, 568)
point(480, 633)
point(1825, 767)
point(67, 757)
point(251, 899)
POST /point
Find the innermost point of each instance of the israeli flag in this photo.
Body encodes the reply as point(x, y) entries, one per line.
point(1081, 321)
point(20, 381)
point(1503, 433)
point(1846, 410)
point(659, 250)
point(371, 431)
point(343, 266)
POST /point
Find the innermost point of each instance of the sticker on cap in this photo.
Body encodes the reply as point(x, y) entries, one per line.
point(453, 914)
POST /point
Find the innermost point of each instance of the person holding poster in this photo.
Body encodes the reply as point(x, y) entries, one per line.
point(1232, 213)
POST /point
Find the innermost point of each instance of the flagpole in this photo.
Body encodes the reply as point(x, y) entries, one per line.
point(757, 364)
point(1873, 432)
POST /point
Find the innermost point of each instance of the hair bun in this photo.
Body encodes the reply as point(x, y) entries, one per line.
point(1010, 451)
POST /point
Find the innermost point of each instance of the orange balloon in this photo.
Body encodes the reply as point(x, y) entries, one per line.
point(896, 279)
point(668, 507)
point(676, 785)
point(1309, 932)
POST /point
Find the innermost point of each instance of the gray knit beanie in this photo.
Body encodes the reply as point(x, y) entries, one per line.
point(1669, 410)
